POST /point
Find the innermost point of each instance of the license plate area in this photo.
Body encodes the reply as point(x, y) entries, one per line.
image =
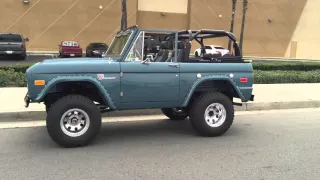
point(9, 52)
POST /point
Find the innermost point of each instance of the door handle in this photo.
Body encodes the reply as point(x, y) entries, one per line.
point(174, 65)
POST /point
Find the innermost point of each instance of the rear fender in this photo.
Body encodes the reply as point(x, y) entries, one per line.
point(210, 78)
point(106, 97)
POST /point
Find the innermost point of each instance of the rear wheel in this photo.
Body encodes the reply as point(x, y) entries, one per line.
point(212, 114)
point(73, 121)
point(175, 114)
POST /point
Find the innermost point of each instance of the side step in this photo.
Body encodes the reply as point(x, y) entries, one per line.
point(236, 104)
point(103, 109)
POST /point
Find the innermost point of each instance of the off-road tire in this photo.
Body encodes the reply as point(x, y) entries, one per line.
point(50, 100)
point(174, 115)
point(61, 106)
point(197, 114)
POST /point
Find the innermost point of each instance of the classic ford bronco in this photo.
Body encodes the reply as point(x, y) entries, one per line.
point(202, 89)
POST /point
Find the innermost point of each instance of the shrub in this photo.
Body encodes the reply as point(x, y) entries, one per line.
point(277, 77)
point(11, 78)
point(286, 66)
point(17, 68)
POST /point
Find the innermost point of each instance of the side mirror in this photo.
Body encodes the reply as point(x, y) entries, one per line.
point(26, 39)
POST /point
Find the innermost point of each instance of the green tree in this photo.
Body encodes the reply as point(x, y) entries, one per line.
point(244, 11)
point(234, 5)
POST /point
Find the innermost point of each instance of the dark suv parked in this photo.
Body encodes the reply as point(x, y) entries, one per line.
point(96, 49)
point(13, 45)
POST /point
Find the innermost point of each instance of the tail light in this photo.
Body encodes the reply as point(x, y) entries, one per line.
point(243, 80)
point(218, 52)
point(22, 46)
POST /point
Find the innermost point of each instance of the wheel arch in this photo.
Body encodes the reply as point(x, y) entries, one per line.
point(221, 84)
point(55, 84)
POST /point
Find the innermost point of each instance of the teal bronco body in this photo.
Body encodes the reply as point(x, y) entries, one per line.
point(76, 91)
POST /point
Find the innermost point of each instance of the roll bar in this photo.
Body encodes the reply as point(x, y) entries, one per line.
point(200, 35)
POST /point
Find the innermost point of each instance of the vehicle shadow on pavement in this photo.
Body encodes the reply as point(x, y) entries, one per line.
point(118, 134)
point(8, 58)
point(155, 130)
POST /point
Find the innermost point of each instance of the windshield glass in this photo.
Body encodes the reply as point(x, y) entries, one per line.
point(10, 38)
point(118, 44)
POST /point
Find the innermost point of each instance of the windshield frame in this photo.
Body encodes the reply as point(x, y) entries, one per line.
point(126, 46)
point(136, 36)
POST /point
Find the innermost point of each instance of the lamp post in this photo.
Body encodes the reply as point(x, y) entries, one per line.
point(234, 4)
point(124, 15)
point(244, 11)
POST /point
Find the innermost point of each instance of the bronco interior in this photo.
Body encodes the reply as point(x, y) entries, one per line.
point(167, 48)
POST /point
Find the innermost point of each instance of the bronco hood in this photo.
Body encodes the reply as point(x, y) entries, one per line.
point(74, 65)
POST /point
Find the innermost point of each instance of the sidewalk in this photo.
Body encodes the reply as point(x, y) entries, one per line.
point(267, 97)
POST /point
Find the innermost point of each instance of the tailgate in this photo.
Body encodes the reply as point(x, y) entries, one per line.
point(11, 46)
point(72, 50)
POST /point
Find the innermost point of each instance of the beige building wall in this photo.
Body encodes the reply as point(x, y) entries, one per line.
point(163, 14)
point(292, 31)
point(305, 41)
point(261, 38)
point(48, 22)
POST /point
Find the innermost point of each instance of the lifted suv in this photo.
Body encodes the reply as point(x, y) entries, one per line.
point(77, 91)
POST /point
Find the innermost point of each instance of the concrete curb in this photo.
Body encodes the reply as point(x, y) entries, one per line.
point(40, 115)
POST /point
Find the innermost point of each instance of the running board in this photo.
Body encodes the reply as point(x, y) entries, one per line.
point(236, 104)
point(103, 109)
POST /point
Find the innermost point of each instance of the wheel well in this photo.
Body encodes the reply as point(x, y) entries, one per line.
point(84, 88)
point(222, 86)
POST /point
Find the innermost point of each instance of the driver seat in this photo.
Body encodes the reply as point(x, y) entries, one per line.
point(180, 53)
point(163, 53)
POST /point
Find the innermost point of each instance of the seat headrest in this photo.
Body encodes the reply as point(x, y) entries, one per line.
point(164, 45)
point(180, 45)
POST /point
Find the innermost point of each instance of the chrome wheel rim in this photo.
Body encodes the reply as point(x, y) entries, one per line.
point(75, 122)
point(215, 115)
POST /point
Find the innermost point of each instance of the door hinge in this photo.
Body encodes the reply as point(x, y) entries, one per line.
point(121, 74)
point(121, 94)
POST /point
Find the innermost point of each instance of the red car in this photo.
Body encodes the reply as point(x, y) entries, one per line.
point(70, 49)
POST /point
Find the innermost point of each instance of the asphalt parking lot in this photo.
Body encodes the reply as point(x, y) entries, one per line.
point(4, 61)
point(269, 145)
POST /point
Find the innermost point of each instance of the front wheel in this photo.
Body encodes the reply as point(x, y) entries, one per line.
point(73, 121)
point(175, 114)
point(212, 114)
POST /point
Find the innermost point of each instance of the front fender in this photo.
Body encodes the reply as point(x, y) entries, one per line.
point(107, 98)
point(209, 78)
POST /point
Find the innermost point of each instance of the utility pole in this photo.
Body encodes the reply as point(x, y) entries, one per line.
point(234, 4)
point(124, 15)
point(244, 11)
